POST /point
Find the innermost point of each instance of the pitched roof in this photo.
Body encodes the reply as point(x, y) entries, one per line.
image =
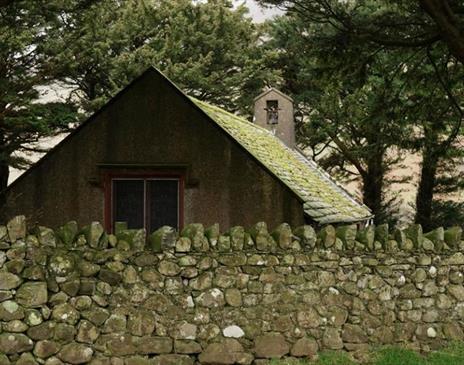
point(323, 199)
point(274, 90)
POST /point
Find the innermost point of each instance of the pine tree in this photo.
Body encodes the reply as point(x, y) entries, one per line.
point(23, 120)
point(209, 49)
point(349, 103)
point(365, 107)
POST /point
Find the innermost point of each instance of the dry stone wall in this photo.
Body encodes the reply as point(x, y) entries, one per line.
point(75, 296)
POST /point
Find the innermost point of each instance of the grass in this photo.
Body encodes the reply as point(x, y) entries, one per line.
point(453, 354)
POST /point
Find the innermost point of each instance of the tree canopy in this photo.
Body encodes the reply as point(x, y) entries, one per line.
point(373, 80)
point(367, 102)
point(23, 119)
point(210, 49)
point(94, 48)
point(392, 24)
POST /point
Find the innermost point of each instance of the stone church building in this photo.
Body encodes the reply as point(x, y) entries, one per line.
point(153, 156)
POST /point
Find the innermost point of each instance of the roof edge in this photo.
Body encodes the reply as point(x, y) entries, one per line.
point(319, 170)
point(329, 177)
point(76, 130)
point(273, 89)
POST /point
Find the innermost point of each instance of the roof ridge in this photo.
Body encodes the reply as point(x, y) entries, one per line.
point(272, 88)
point(235, 116)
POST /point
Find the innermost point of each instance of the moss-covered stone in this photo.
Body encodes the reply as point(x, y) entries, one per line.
point(32, 294)
point(17, 228)
point(172, 359)
point(154, 345)
point(381, 233)
point(75, 353)
point(229, 351)
point(366, 236)
point(212, 233)
point(212, 298)
point(224, 244)
point(304, 347)
point(415, 234)
point(283, 235)
point(87, 332)
point(130, 306)
point(26, 358)
point(183, 244)
point(65, 313)
point(237, 238)
point(261, 236)
point(168, 268)
point(46, 236)
point(93, 232)
point(9, 281)
point(271, 346)
point(307, 236)
point(327, 235)
point(453, 236)
point(196, 233)
point(233, 297)
point(46, 348)
point(141, 323)
point(163, 238)
point(67, 233)
point(14, 343)
point(61, 264)
point(347, 234)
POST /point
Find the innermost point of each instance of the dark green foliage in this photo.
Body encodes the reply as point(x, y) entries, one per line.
point(209, 49)
point(452, 354)
point(388, 24)
point(350, 101)
point(396, 355)
point(23, 70)
point(334, 358)
point(366, 99)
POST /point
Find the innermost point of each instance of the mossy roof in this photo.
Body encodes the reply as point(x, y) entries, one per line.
point(323, 199)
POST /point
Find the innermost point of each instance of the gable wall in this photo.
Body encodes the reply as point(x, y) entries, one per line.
point(285, 129)
point(152, 125)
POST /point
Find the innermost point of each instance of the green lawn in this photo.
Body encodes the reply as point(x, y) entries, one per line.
point(451, 355)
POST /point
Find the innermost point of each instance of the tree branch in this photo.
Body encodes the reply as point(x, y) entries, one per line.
point(450, 29)
point(457, 128)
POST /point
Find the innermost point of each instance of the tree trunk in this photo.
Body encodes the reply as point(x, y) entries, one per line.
point(373, 185)
point(448, 24)
point(426, 188)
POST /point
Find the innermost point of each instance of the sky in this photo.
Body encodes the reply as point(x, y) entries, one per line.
point(258, 13)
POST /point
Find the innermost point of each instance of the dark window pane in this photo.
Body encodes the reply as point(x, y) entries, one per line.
point(163, 203)
point(128, 202)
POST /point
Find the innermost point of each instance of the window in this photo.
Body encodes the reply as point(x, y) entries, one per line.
point(145, 202)
point(272, 108)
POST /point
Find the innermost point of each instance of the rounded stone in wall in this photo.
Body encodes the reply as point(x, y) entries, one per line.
point(233, 331)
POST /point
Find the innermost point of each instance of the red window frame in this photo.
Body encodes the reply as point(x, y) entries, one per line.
point(114, 175)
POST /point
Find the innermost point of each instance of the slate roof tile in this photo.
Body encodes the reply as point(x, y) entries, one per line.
point(323, 199)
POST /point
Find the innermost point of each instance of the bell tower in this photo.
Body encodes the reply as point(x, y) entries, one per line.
point(273, 110)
